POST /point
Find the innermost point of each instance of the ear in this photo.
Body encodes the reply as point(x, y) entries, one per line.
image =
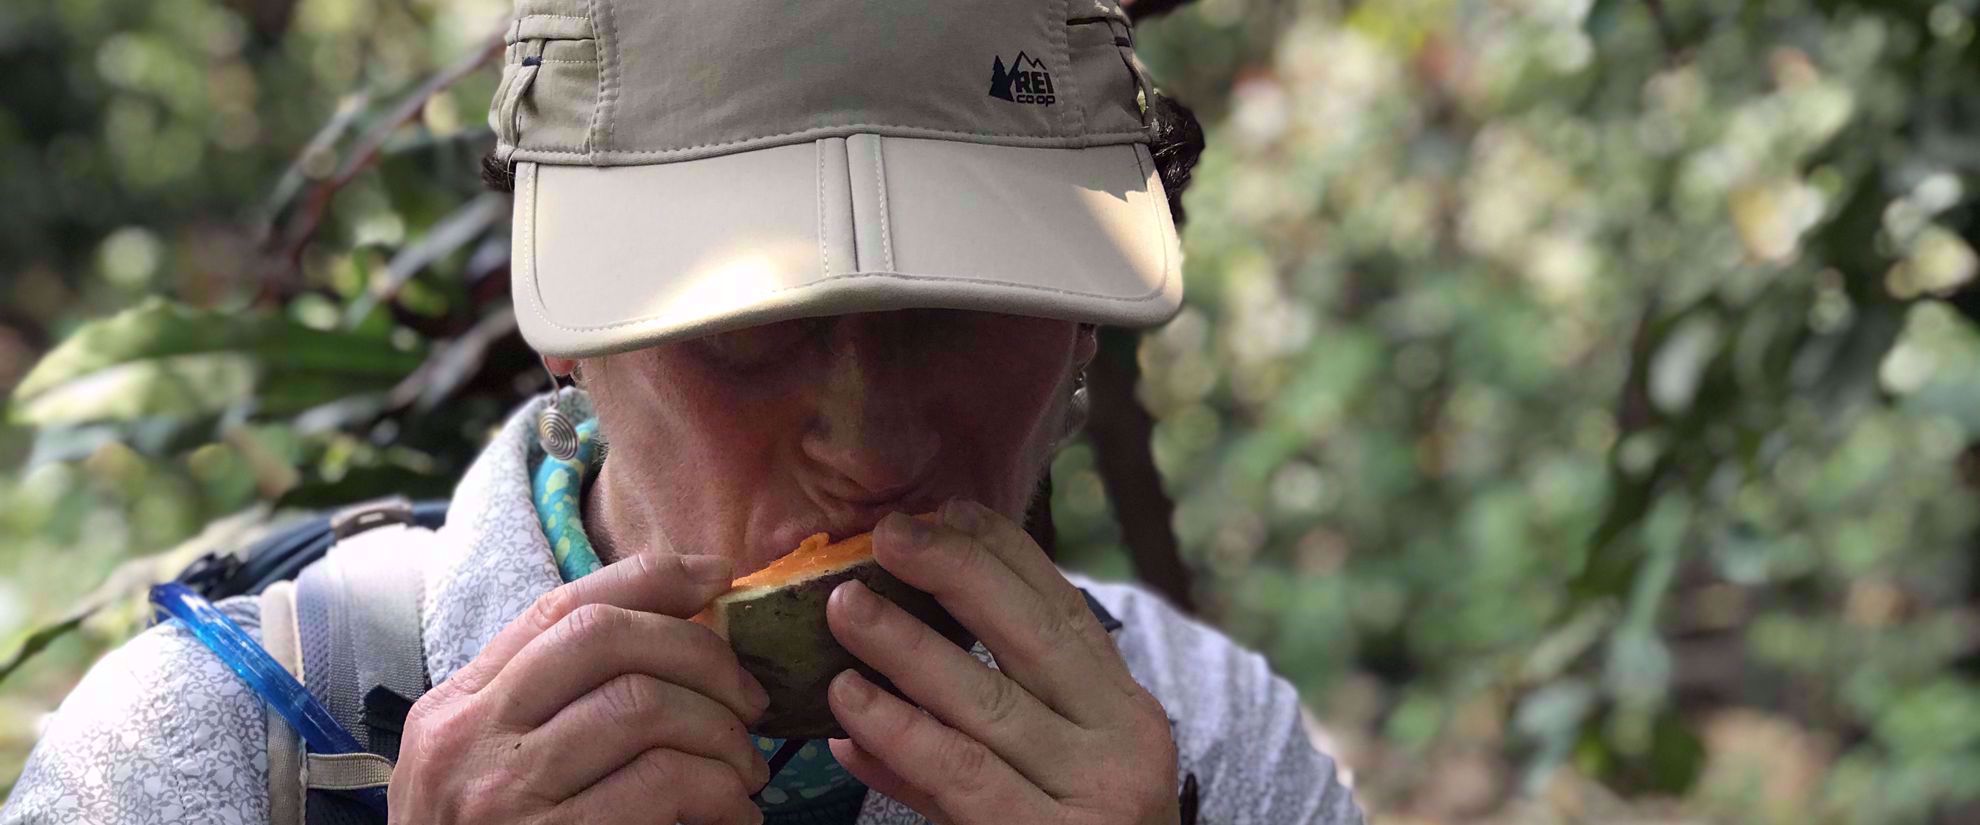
point(1086, 345)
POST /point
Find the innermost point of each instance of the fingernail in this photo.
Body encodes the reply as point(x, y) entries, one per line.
point(707, 569)
point(758, 697)
point(860, 603)
point(909, 531)
point(854, 692)
point(962, 515)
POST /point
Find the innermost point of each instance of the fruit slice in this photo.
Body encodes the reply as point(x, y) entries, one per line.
point(774, 619)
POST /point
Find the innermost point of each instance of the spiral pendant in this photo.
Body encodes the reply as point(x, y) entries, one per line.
point(556, 433)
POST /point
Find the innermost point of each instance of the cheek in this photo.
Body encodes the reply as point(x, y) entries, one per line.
point(697, 449)
point(1003, 412)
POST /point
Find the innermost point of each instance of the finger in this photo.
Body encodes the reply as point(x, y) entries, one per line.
point(652, 582)
point(875, 774)
point(597, 642)
point(625, 717)
point(1048, 642)
point(958, 773)
point(1008, 541)
point(980, 702)
point(665, 786)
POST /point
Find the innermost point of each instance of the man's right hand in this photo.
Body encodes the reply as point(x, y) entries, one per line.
point(601, 703)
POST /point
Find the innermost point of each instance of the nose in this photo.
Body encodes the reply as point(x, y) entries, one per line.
point(871, 428)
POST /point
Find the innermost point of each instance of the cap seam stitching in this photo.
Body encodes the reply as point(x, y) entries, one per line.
point(514, 34)
point(1136, 136)
point(824, 254)
point(886, 218)
point(611, 70)
point(590, 142)
point(851, 202)
point(1074, 103)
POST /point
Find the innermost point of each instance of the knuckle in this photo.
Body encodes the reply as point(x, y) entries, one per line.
point(440, 729)
point(975, 560)
point(593, 621)
point(1060, 625)
point(965, 762)
point(423, 713)
point(552, 607)
point(998, 699)
point(657, 776)
point(631, 696)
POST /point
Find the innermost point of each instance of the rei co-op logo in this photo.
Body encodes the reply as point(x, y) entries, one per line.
point(1026, 81)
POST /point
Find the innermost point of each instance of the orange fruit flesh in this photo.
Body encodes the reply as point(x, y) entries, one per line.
point(812, 555)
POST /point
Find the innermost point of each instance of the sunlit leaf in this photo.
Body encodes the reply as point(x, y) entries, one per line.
point(162, 359)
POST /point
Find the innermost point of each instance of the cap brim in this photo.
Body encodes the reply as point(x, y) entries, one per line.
point(610, 259)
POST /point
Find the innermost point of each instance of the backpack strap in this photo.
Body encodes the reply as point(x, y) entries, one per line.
point(358, 620)
point(358, 612)
point(285, 767)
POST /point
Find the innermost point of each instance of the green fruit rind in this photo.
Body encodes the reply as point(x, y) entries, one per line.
point(780, 636)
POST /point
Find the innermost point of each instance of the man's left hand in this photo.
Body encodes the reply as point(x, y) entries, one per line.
point(1058, 732)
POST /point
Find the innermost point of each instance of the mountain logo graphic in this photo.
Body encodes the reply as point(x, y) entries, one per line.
point(1026, 81)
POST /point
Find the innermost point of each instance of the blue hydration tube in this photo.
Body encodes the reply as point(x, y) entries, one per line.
point(265, 676)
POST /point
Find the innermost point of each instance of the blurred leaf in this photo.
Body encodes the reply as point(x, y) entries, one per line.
point(131, 580)
point(365, 483)
point(163, 359)
point(453, 232)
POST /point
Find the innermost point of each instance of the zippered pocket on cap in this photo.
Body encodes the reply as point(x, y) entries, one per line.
point(549, 87)
point(1113, 87)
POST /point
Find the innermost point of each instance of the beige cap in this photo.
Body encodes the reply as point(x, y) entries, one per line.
point(691, 166)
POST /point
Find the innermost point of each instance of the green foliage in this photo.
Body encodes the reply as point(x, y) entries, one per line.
point(159, 359)
point(1577, 400)
point(1538, 364)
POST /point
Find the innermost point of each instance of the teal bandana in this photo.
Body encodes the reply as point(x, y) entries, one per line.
point(557, 489)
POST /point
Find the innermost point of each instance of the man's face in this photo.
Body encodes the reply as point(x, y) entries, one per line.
point(744, 443)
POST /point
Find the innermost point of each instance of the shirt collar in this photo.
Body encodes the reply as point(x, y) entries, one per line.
point(494, 561)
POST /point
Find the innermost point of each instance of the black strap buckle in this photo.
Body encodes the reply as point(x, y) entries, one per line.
point(208, 571)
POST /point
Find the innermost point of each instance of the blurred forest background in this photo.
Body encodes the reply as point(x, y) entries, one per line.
point(1578, 399)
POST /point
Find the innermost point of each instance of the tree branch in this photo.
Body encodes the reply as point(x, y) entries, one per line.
point(303, 229)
